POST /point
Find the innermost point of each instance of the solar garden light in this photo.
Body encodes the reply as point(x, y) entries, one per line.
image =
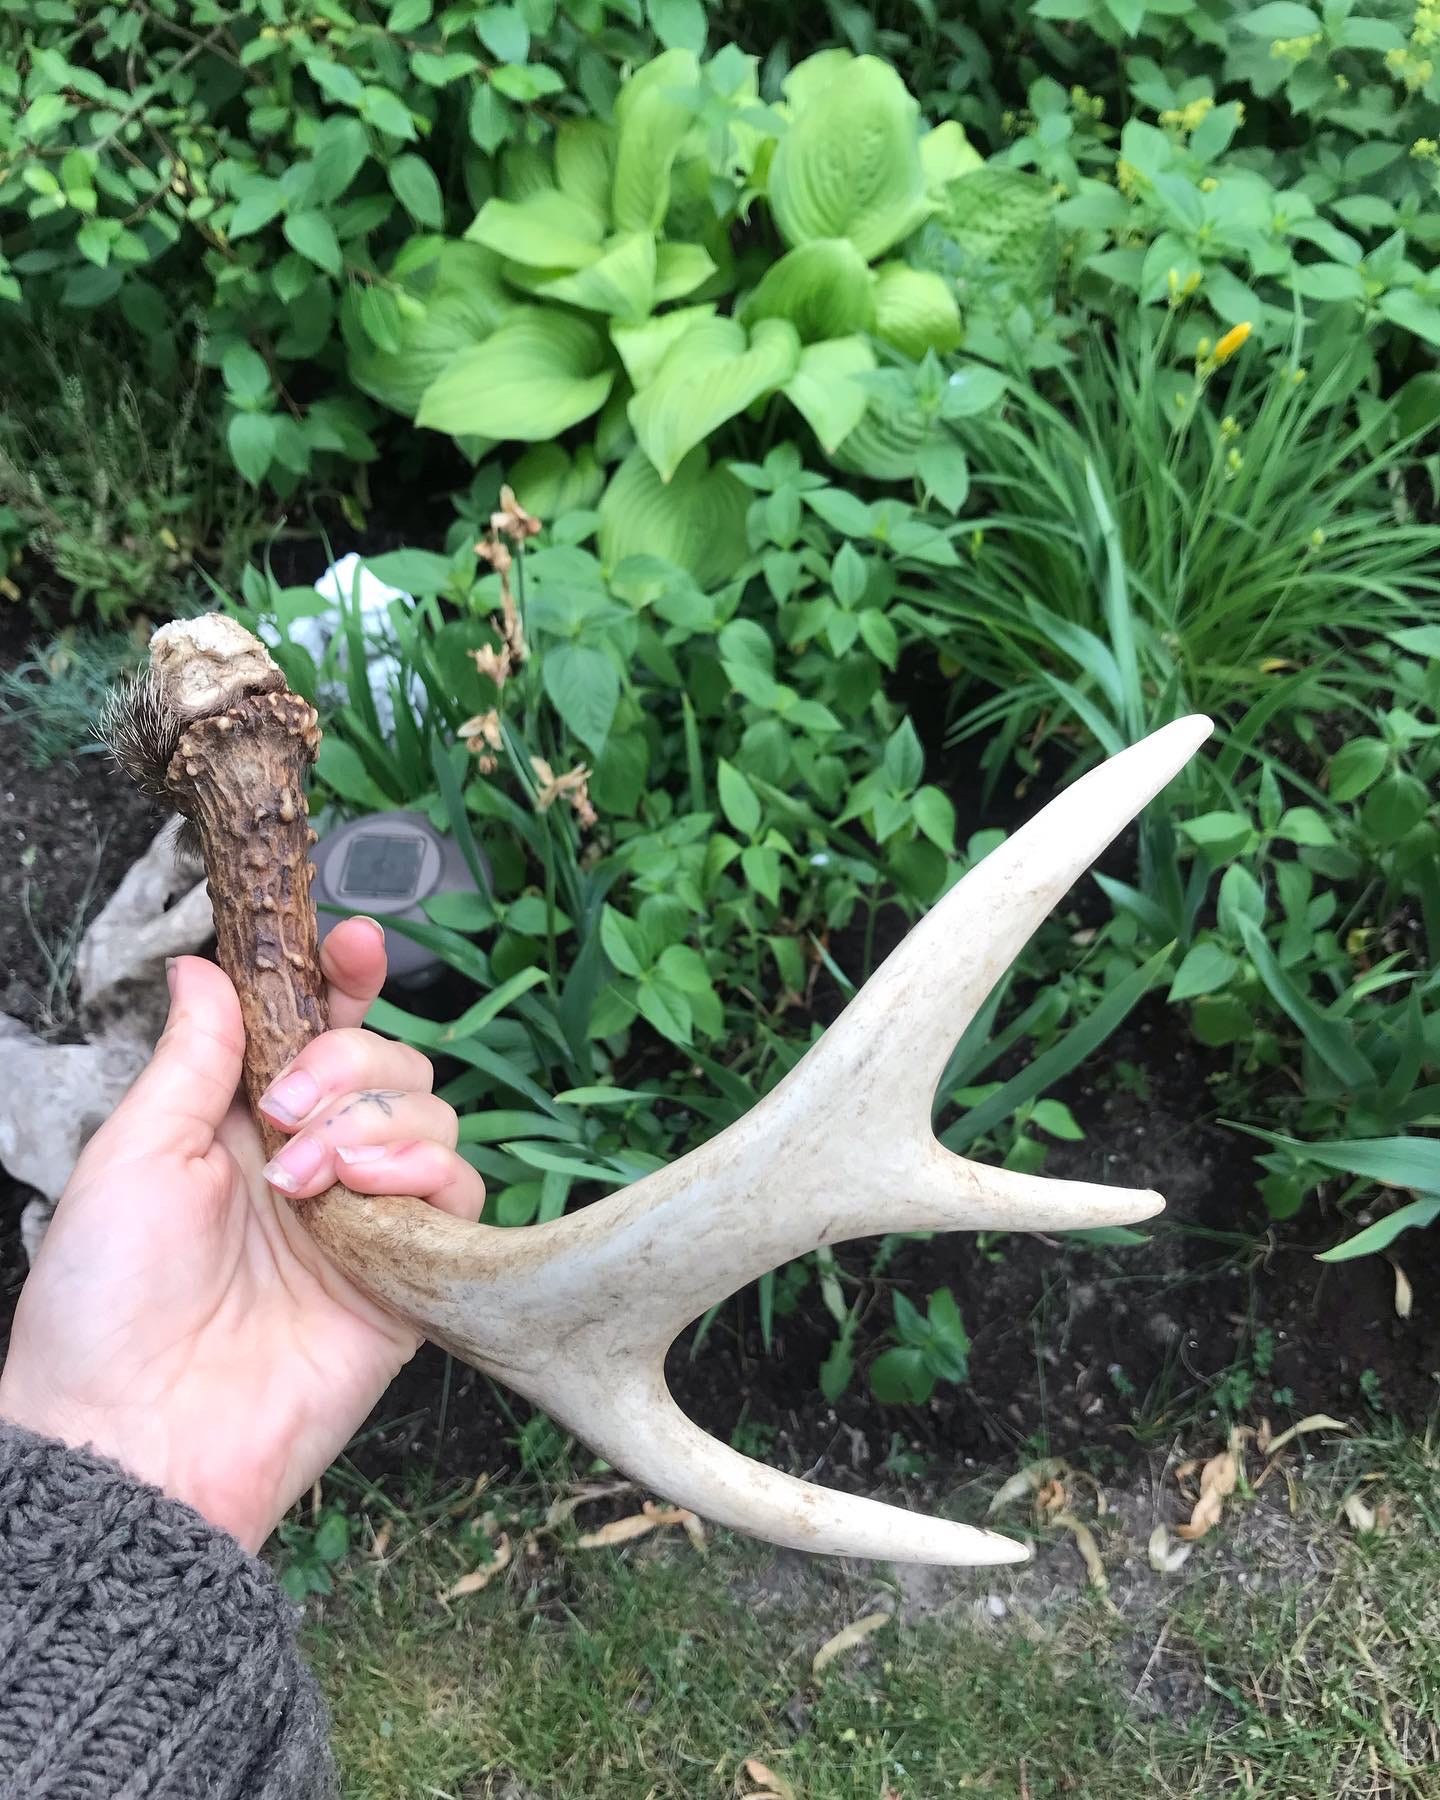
point(577, 1314)
point(388, 865)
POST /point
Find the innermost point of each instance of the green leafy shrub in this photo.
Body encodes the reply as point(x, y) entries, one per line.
point(258, 164)
point(289, 179)
point(1245, 156)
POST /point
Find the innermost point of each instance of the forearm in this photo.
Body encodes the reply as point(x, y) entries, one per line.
point(142, 1651)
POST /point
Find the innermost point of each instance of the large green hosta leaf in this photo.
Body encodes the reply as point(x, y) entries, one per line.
point(644, 347)
point(915, 310)
point(548, 230)
point(887, 442)
point(525, 171)
point(621, 283)
point(461, 300)
point(696, 520)
point(823, 289)
point(946, 154)
point(808, 80)
point(824, 389)
point(585, 163)
point(549, 482)
point(1003, 222)
point(680, 269)
point(849, 163)
point(715, 371)
point(531, 379)
point(653, 112)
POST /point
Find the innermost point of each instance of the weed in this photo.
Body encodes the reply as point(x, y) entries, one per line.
point(308, 1553)
point(55, 695)
point(58, 940)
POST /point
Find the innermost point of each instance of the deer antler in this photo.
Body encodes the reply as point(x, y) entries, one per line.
point(577, 1314)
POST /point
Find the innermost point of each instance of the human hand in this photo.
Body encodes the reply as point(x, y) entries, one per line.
point(179, 1319)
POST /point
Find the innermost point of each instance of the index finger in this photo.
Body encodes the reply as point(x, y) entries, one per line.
point(352, 960)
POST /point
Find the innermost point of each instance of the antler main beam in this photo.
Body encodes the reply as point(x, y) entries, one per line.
point(578, 1314)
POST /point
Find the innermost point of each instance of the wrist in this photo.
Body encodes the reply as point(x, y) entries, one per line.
point(140, 1446)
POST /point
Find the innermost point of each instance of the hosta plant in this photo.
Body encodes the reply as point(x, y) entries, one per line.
point(683, 264)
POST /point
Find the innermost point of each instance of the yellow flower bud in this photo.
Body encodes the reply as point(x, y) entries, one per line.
point(1231, 342)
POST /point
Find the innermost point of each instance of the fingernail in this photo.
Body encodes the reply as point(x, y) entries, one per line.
point(289, 1099)
point(374, 924)
point(170, 974)
point(362, 1153)
point(296, 1163)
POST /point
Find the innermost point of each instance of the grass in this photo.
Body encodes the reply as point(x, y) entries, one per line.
point(1292, 1657)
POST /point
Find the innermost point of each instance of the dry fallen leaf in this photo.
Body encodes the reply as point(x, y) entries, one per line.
point(636, 1525)
point(460, 1507)
point(1028, 1481)
point(484, 1575)
point(1217, 1480)
point(768, 1785)
point(1165, 1557)
point(848, 1639)
point(560, 1510)
point(380, 1543)
point(1404, 1293)
point(1360, 1514)
point(1312, 1422)
point(1088, 1548)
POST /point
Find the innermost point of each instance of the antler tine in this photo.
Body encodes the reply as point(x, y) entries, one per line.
point(632, 1419)
point(902, 1027)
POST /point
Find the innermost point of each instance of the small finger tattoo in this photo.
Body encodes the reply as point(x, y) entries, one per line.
point(381, 1097)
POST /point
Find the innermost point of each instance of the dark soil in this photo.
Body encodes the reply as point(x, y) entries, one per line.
point(67, 835)
point(1089, 1352)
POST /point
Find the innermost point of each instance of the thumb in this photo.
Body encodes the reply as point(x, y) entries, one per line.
point(186, 1088)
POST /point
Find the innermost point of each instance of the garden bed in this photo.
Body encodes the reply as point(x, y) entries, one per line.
point(1097, 1354)
point(1094, 1352)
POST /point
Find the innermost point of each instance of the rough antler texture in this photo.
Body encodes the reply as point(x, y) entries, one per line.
point(578, 1314)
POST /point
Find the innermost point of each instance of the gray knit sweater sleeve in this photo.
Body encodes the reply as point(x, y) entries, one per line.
point(143, 1653)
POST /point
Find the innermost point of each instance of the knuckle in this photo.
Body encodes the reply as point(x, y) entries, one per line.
point(336, 1059)
point(447, 1123)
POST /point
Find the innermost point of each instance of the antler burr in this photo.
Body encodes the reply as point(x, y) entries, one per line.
point(577, 1314)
